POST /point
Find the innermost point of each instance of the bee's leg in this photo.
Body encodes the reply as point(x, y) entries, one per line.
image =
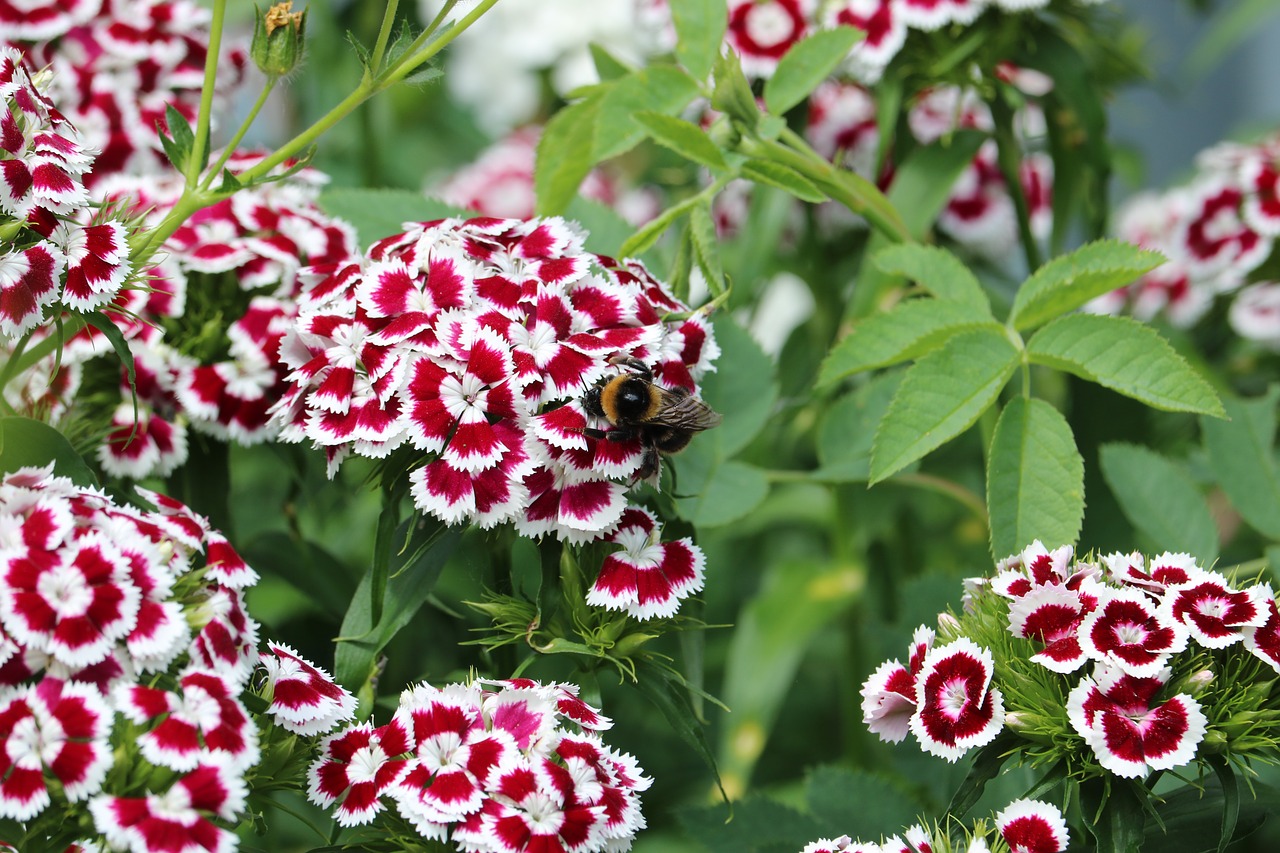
point(634, 364)
point(615, 434)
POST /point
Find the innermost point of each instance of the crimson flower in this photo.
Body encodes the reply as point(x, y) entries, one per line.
point(304, 698)
point(1032, 826)
point(181, 819)
point(958, 708)
point(356, 767)
point(647, 577)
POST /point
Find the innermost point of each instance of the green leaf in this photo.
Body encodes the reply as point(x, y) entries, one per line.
point(1242, 458)
point(25, 442)
point(1069, 281)
point(1230, 799)
point(378, 213)
point(745, 395)
point(413, 575)
point(909, 330)
point(1035, 479)
point(565, 154)
point(936, 270)
point(608, 66)
point(796, 599)
point(1120, 816)
point(784, 178)
point(1220, 37)
point(706, 248)
point(700, 26)
point(683, 137)
point(848, 428)
point(1193, 815)
point(728, 491)
point(671, 697)
point(649, 233)
point(1160, 499)
point(986, 766)
point(732, 93)
point(920, 189)
point(751, 824)
point(859, 803)
point(179, 143)
point(658, 88)
point(806, 64)
point(115, 337)
point(940, 397)
point(1126, 356)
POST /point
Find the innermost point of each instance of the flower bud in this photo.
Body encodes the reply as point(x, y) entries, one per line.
point(277, 39)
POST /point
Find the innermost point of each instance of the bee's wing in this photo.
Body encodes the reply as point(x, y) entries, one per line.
point(679, 410)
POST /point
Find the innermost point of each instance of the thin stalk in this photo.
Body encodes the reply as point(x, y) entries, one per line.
point(205, 117)
point(384, 36)
point(1010, 161)
point(409, 66)
point(244, 128)
point(70, 325)
point(948, 488)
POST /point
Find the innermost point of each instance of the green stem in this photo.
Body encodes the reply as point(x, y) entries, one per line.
point(1009, 159)
point(205, 116)
point(151, 240)
point(384, 36)
point(7, 370)
point(406, 68)
point(71, 324)
point(853, 191)
point(244, 128)
point(945, 487)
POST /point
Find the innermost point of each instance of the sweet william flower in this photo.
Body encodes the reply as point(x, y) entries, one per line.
point(1032, 826)
point(958, 708)
point(304, 698)
point(356, 767)
point(648, 577)
point(1117, 715)
point(1128, 631)
point(1214, 613)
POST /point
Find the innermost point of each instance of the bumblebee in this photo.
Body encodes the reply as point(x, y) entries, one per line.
point(663, 419)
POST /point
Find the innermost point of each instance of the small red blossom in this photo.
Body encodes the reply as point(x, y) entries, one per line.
point(648, 577)
point(958, 708)
point(179, 820)
point(1264, 640)
point(761, 33)
point(1127, 631)
point(304, 698)
point(1116, 714)
point(356, 767)
point(1032, 826)
point(1213, 612)
point(203, 716)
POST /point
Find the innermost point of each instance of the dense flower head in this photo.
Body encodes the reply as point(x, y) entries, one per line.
point(123, 639)
point(304, 698)
point(116, 65)
point(1111, 653)
point(1216, 232)
point(64, 254)
point(491, 766)
point(473, 342)
point(1024, 826)
point(239, 259)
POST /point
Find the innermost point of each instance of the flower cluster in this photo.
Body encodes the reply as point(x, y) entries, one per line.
point(58, 256)
point(1115, 652)
point(117, 65)
point(506, 766)
point(473, 342)
point(1216, 232)
point(96, 599)
point(499, 183)
point(1024, 826)
point(980, 214)
point(235, 262)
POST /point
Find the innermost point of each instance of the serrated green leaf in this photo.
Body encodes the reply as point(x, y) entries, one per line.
point(1069, 281)
point(784, 178)
point(25, 442)
point(796, 598)
point(940, 397)
point(908, 330)
point(754, 823)
point(1160, 499)
point(424, 75)
point(1242, 458)
point(936, 270)
point(683, 137)
point(1126, 356)
point(849, 426)
point(706, 248)
point(700, 26)
point(658, 88)
point(806, 64)
point(608, 66)
point(565, 154)
point(378, 213)
point(1035, 479)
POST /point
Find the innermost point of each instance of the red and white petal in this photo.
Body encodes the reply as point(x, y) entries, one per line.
point(888, 701)
point(1213, 612)
point(28, 284)
point(1264, 640)
point(1032, 826)
point(957, 706)
point(1127, 631)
